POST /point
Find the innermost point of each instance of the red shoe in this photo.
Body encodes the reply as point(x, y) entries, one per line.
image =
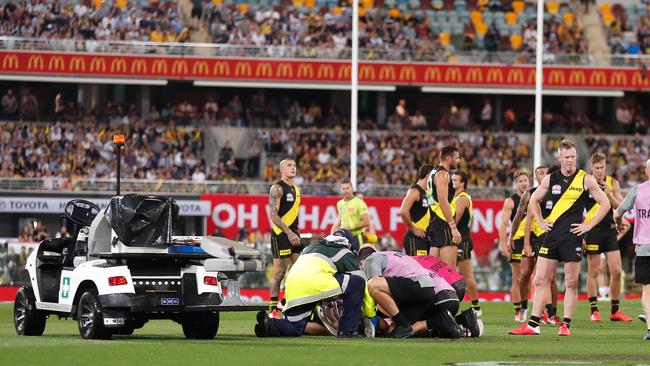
point(275, 314)
point(618, 316)
point(554, 320)
point(564, 330)
point(544, 318)
point(595, 317)
point(525, 329)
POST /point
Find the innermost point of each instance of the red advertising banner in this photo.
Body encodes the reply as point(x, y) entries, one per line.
point(318, 214)
point(313, 71)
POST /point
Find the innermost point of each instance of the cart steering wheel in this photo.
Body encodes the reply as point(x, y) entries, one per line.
point(81, 212)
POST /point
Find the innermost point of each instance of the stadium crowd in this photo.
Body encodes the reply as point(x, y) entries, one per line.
point(432, 31)
point(60, 25)
point(489, 158)
point(628, 27)
point(61, 152)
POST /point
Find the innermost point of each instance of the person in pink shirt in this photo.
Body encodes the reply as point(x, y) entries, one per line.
point(638, 199)
point(415, 298)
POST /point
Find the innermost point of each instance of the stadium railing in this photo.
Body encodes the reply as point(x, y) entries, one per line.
point(179, 187)
point(272, 51)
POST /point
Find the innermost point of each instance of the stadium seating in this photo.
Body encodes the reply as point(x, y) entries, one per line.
point(627, 25)
point(84, 150)
point(323, 156)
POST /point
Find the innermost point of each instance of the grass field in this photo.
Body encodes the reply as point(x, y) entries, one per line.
point(162, 343)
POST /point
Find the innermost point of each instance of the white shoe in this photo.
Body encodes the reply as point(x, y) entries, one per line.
point(642, 318)
point(368, 328)
point(523, 315)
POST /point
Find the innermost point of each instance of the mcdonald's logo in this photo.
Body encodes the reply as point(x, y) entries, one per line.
point(179, 67)
point(35, 62)
point(159, 67)
point(56, 63)
point(515, 76)
point(597, 78)
point(618, 78)
point(325, 71)
point(77, 64)
point(474, 75)
point(10, 62)
point(367, 72)
point(221, 68)
point(532, 76)
point(263, 70)
point(139, 66)
point(556, 77)
point(453, 75)
point(200, 68)
point(306, 70)
point(638, 79)
point(432, 73)
point(407, 73)
point(344, 72)
point(98, 64)
point(495, 76)
point(118, 65)
point(243, 68)
point(577, 77)
point(284, 70)
point(387, 72)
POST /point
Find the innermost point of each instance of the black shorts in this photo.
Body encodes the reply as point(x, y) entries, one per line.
point(518, 251)
point(440, 233)
point(281, 246)
point(567, 249)
point(444, 300)
point(642, 270)
point(601, 241)
point(459, 287)
point(465, 248)
point(415, 245)
point(412, 300)
point(536, 243)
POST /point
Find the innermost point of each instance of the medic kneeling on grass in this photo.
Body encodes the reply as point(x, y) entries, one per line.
point(324, 271)
point(414, 298)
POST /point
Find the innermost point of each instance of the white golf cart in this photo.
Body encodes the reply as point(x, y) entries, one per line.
point(123, 267)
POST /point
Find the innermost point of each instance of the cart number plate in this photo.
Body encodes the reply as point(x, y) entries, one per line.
point(169, 301)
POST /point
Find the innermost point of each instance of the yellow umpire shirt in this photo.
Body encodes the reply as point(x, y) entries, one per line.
point(350, 213)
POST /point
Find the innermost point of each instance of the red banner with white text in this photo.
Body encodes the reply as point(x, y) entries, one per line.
point(318, 214)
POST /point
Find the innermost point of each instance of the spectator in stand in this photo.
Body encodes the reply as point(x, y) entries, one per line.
point(9, 104)
point(26, 234)
point(227, 154)
point(62, 233)
point(253, 162)
point(40, 232)
point(624, 116)
point(418, 121)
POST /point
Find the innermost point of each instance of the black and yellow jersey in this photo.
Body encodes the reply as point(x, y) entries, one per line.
point(607, 223)
point(289, 207)
point(516, 198)
point(433, 194)
point(519, 234)
point(465, 223)
point(565, 202)
point(420, 214)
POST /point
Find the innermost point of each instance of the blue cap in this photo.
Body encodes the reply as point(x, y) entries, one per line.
point(344, 233)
